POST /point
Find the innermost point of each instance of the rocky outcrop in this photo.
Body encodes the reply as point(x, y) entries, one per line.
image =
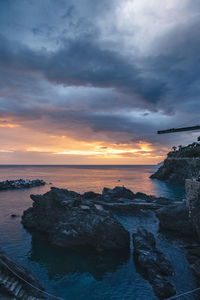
point(180, 165)
point(20, 184)
point(175, 218)
point(121, 199)
point(68, 220)
point(92, 195)
point(153, 264)
point(129, 207)
point(111, 195)
point(14, 280)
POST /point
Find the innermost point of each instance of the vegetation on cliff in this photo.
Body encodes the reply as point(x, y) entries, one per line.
point(182, 163)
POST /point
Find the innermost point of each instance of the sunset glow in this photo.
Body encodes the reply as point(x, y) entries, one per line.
point(93, 86)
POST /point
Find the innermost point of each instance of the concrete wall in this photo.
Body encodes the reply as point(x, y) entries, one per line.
point(192, 192)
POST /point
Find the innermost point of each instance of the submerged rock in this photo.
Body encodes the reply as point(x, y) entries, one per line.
point(20, 184)
point(67, 262)
point(14, 216)
point(67, 220)
point(14, 280)
point(152, 263)
point(176, 218)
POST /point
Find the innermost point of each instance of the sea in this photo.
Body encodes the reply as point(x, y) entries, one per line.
point(86, 275)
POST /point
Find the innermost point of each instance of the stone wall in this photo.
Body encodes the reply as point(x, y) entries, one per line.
point(192, 189)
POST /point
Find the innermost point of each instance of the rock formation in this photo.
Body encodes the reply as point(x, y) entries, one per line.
point(121, 199)
point(153, 264)
point(20, 184)
point(175, 218)
point(14, 278)
point(117, 193)
point(180, 164)
point(67, 220)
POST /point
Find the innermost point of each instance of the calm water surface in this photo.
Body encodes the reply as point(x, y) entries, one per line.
point(83, 275)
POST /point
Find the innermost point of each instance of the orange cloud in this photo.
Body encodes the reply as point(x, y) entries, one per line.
point(26, 145)
point(8, 125)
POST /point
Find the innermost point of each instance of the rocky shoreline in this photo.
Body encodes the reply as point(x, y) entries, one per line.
point(181, 164)
point(20, 184)
point(153, 264)
point(70, 220)
point(67, 220)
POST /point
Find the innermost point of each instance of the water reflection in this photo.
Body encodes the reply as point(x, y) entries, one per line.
point(58, 262)
point(95, 178)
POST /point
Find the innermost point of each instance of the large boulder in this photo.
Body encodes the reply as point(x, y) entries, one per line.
point(92, 195)
point(176, 218)
point(67, 220)
point(152, 263)
point(117, 193)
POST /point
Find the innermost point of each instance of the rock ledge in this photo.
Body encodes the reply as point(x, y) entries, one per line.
point(67, 220)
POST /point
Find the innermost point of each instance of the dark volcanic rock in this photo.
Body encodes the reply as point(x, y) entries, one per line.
point(176, 218)
point(129, 206)
point(121, 199)
point(117, 193)
point(20, 184)
point(67, 220)
point(153, 199)
point(153, 263)
point(92, 195)
point(180, 165)
point(14, 278)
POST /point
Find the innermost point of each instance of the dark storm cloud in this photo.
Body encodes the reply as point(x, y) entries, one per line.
point(82, 63)
point(74, 54)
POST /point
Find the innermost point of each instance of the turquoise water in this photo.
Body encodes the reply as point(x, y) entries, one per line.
point(86, 275)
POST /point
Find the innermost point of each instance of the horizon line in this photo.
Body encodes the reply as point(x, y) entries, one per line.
point(4, 165)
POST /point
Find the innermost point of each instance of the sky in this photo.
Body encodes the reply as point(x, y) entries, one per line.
point(91, 82)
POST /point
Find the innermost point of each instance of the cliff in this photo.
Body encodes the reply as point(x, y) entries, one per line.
point(180, 165)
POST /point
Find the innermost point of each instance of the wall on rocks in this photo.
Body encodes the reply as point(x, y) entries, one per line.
point(192, 188)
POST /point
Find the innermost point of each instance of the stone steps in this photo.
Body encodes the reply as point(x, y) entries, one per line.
point(14, 287)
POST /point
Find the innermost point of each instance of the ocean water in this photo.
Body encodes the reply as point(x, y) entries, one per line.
point(80, 275)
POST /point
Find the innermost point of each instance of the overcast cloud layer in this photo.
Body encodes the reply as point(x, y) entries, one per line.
point(108, 72)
